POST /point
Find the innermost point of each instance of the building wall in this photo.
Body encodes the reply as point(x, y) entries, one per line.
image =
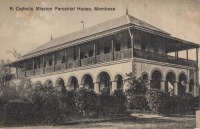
point(146, 66)
point(112, 68)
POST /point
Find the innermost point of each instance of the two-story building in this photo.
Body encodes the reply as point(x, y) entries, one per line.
point(101, 55)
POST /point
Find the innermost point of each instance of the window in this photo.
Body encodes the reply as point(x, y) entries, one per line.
point(143, 46)
point(155, 48)
point(117, 47)
point(50, 62)
point(106, 50)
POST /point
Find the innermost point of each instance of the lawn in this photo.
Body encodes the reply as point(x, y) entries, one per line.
point(184, 122)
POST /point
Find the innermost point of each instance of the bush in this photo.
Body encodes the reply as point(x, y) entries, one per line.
point(17, 112)
point(157, 101)
point(136, 96)
point(120, 102)
point(86, 102)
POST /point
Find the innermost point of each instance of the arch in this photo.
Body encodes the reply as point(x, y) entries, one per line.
point(72, 83)
point(38, 83)
point(106, 71)
point(87, 82)
point(191, 86)
point(49, 83)
point(171, 71)
point(60, 84)
point(119, 80)
point(182, 80)
point(170, 79)
point(104, 81)
point(157, 69)
point(145, 76)
point(156, 77)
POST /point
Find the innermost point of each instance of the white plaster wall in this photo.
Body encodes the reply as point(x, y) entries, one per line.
point(112, 69)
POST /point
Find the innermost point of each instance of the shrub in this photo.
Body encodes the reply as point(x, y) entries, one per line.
point(120, 102)
point(157, 101)
point(17, 112)
point(86, 102)
point(136, 96)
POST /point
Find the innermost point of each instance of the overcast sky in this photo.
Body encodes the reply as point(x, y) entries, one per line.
point(26, 30)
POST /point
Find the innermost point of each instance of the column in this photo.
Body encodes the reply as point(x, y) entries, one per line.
point(43, 64)
point(132, 45)
point(112, 49)
point(162, 85)
point(94, 52)
point(79, 55)
point(175, 88)
point(53, 61)
point(187, 87)
point(197, 55)
point(148, 83)
point(195, 90)
point(96, 87)
point(80, 86)
point(33, 67)
point(114, 86)
point(187, 54)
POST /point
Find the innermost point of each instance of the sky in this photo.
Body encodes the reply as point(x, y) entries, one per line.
point(26, 30)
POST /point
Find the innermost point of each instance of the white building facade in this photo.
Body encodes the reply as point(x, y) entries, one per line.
point(100, 56)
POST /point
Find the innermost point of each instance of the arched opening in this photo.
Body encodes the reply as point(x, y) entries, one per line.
point(87, 82)
point(104, 81)
point(48, 83)
point(156, 79)
point(119, 81)
point(60, 84)
point(37, 84)
point(169, 84)
point(144, 76)
point(73, 83)
point(182, 84)
point(191, 86)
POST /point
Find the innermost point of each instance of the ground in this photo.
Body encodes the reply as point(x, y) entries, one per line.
point(142, 122)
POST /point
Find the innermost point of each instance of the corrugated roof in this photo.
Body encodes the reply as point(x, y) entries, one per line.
point(114, 23)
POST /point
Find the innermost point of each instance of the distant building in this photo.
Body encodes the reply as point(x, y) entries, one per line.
point(101, 55)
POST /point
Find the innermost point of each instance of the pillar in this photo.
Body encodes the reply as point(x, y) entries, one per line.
point(79, 54)
point(96, 87)
point(80, 86)
point(33, 67)
point(43, 63)
point(148, 83)
point(132, 45)
point(187, 54)
point(195, 90)
point(197, 55)
point(114, 86)
point(53, 63)
point(175, 88)
point(162, 85)
point(187, 88)
point(112, 49)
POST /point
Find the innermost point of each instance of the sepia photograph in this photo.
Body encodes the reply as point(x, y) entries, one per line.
point(99, 64)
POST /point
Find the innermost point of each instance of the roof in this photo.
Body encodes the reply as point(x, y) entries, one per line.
point(122, 21)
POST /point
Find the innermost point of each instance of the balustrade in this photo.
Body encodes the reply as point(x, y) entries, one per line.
point(49, 69)
point(22, 74)
point(117, 55)
point(104, 58)
point(38, 71)
point(59, 67)
point(73, 64)
point(29, 73)
point(163, 58)
point(87, 61)
point(123, 54)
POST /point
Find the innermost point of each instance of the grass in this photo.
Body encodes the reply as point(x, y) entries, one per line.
point(184, 122)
